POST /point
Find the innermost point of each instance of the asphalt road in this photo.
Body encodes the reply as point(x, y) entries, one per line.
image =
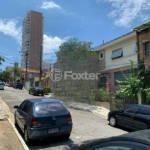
point(86, 125)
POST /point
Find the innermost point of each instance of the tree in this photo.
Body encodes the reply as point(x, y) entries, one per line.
point(131, 86)
point(78, 57)
point(6, 74)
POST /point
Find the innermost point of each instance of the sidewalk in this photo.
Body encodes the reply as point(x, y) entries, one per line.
point(8, 137)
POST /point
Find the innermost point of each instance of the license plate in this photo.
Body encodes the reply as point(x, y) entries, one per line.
point(53, 130)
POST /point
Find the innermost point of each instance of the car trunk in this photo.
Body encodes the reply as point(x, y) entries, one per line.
point(54, 120)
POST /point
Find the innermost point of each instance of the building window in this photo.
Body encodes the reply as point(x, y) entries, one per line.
point(146, 48)
point(120, 77)
point(117, 53)
point(101, 55)
point(102, 82)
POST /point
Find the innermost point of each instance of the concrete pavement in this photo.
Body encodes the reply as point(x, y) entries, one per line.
point(8, 138)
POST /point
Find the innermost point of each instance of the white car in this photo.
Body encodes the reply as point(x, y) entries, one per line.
point(1, 86)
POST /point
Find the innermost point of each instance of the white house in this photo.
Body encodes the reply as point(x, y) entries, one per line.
point(115, 56)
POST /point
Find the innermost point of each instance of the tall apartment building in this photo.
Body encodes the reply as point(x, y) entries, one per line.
point(32, 41)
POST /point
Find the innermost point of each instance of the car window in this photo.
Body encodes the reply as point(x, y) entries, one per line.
point(131, 109)
point(27, 107)
point(21, 107)
point(49, 108)
point(144, 111)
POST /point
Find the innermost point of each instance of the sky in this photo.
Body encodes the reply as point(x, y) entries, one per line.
point(88, 20)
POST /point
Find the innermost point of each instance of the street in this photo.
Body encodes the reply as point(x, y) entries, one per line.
point(86, 125)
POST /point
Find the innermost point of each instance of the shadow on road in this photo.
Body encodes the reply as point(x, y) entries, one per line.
point(46, 143)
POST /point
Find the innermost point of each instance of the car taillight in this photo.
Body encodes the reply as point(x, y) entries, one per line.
point(34, 122)
point(69, 118)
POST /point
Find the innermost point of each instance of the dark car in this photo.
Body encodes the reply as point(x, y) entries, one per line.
point(135, 117)
point(138, 140)
point(36, 91)
point(18, 85)
point(43, 117)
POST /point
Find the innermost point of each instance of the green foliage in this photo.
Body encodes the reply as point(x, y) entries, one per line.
point(6, 74)
point(73, 53)
point(102, 95)
point(131, 85)
point(147, 91)
point(46, 90)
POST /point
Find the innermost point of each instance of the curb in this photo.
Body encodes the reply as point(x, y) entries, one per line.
point(99, 115)
point(6, 109)
point(18, 135)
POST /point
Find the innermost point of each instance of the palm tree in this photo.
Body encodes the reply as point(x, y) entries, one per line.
point(1, 60)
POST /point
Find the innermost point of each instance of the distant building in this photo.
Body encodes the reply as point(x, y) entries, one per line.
point(47, 66)
point(9, 68)
point(32, 41)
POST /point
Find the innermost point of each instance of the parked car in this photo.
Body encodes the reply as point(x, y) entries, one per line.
point(18, 85)
point(1, 86)
point(6, 84)
point(138, 140)
point(36, 90)
point(43, 117)
point(11, 85)
point(135, 117)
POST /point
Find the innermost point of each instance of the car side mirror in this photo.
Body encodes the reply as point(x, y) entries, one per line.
point(16, 106)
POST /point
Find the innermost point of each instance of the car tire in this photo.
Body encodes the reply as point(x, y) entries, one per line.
point(112, 121)
point(26, 136)
point(42, 94)
point(29, 92)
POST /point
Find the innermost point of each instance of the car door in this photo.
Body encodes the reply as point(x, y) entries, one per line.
point(19, 114)
point(128, 115)
point(26, 113)
point(142, 118)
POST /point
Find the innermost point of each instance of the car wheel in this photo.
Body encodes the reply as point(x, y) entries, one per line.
point(112, 121)
point(29, 92)
point(42, 94)
point(26, 136)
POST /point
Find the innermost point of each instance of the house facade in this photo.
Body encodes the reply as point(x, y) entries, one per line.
point(143, 38)
point(114, 57)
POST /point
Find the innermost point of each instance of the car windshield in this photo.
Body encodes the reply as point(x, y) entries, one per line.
point(49, 108)
point(39, 88)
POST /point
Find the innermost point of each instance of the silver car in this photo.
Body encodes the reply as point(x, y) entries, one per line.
point(1, 86)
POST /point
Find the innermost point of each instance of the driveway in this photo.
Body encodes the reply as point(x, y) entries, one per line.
point(86, 125)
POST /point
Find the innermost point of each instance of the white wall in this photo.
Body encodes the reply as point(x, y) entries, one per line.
point(128, 46)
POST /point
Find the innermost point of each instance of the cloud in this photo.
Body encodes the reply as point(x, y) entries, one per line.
point(51, 45)
point(50, 5)
point(9, 27)
point(125, 12)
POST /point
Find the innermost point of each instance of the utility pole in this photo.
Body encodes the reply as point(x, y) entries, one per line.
point(40, 75)
point(26, 60)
